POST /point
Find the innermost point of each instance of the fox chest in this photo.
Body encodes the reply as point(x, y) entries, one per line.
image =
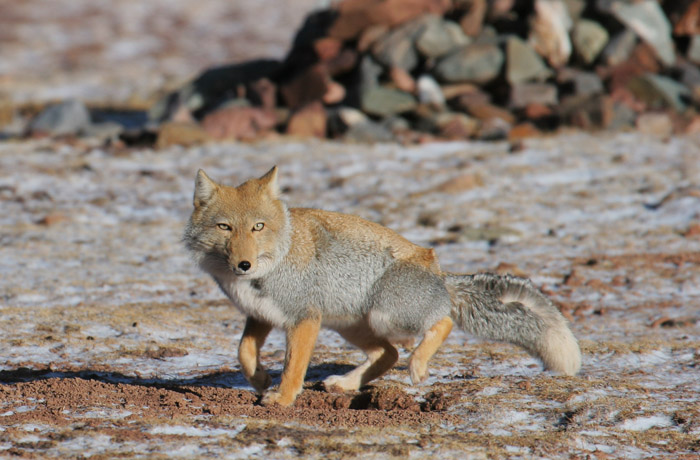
point(252, 302)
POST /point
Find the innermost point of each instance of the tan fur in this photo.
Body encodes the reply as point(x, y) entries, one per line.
point(418, 363)
point(253, 338)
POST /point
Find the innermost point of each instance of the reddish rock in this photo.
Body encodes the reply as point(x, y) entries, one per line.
point(344, 62)
point(335, 93)
point(327, 48)
point(310, 121)
point(536, 110)
point(689, 23)
point(52, 219)
point(369, 36)
point(473, 20)
point(462, 89)
point(488, 111)
point(523, 131)
point(352, 19)
point(239, 122)
point(395, 12)
point(402, 79)
point(311, 85)
point(264, 93)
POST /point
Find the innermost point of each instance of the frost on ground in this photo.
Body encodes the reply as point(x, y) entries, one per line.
point(112, 343)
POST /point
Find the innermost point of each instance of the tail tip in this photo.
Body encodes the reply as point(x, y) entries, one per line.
point(561, 352)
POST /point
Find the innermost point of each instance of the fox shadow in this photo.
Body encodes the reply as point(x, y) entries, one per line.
point(233, 379)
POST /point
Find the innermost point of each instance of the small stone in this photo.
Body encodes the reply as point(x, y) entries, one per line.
point(395, 12)
point(451, 125)
point(396, 49)
point(620, 48)
point(549, 34)
point(689, 23)
point(473, 21)
point(309, 121)
point(488, 112)
point(368, 132)
point(52, 219)
point(460, 183)
point(589, 38)
point(648, 20)
point(533, 93)
point(179, 133)
point(429, 92)
point(461, 89)
point(370, 72)
point(402, 79)
point(493, 129)
point(584, 83)
point(335, 93)
point(694, 49)
point(383, 102)
point(439, 37)
point(311, 85)
point(476, 63)
point(523, 63)
point(523, 131)
point(66, 118)
point(239, 122)
point(534, 111)
point(655, 124)
point(327, 48)
point(657, 91)
point(370, 36)
point(104, 130)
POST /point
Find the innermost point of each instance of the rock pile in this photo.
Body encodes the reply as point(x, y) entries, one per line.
point(384, 69)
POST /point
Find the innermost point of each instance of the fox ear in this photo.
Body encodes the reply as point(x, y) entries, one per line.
point(204, 188)
point(269, 181)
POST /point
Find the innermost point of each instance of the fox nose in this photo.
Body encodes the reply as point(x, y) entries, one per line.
point(245, 265)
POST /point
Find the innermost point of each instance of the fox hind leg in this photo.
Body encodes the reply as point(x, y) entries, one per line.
point(436, 335)
point(253, 338)
point(381, 356)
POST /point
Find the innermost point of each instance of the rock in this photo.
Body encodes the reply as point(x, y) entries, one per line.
point(584, 83)
point(327, 48)
point(238, 123)
point(689, 23)
point(523, 131)
point(655, 124)
point(459, 184)
point(473, 21)
point(533, 93)
point(460, 89)
point(370, 36)
point(489, 111)
point(657, 91)
point(309, 86)
point(477, 63)
point(383, 102)
point(523, 63)
point(647, 19)
point(179, 133)
point(620, 48)
point(454, 125)
point(589, 38)
point(343, 63)
point(402, 79)
point(309, 121)
point(694, 49)
point(368, 132)
point(396, 49)
point(263, 93)
point(549, 34)
point(439, 37)
point(104, 130)
point(352, 19)
point(207, 91)
point(429, 92)
point(370, 72)
point(395, 12)
point(70, 117)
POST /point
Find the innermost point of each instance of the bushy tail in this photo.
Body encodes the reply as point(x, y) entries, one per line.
point(511, 309)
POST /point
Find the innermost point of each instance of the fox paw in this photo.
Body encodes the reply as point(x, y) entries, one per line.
point(419, 372)
point(275, 397)
point(261, 381)
point(339, 384)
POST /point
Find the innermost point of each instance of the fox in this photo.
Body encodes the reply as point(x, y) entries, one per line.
point(300, 269)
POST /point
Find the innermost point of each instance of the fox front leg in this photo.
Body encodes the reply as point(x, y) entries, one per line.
point(301, 339)
point(253, 338)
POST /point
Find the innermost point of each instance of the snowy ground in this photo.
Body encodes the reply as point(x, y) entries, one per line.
point(97, 294)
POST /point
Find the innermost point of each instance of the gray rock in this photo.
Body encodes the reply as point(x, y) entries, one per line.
point(587, 83)
point(647, 19)
point(523, 63)
point(523, 94)
point(368, 132)
point(477, 63)
point(370, 72)
point(429, 91)
point(397, 48)
point(66, 118)
point(620, 48)
point(383, 102)
point(589, 38)
point(104, 130)
point(658, 91)
point(694, 49)
point(439, 37)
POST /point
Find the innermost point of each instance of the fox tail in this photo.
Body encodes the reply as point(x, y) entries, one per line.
point(512, 309)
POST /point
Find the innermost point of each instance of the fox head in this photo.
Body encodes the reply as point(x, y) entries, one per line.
point(242, 230)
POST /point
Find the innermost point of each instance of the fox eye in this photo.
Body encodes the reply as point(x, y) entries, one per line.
point(259, 226)
point(226, 227)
